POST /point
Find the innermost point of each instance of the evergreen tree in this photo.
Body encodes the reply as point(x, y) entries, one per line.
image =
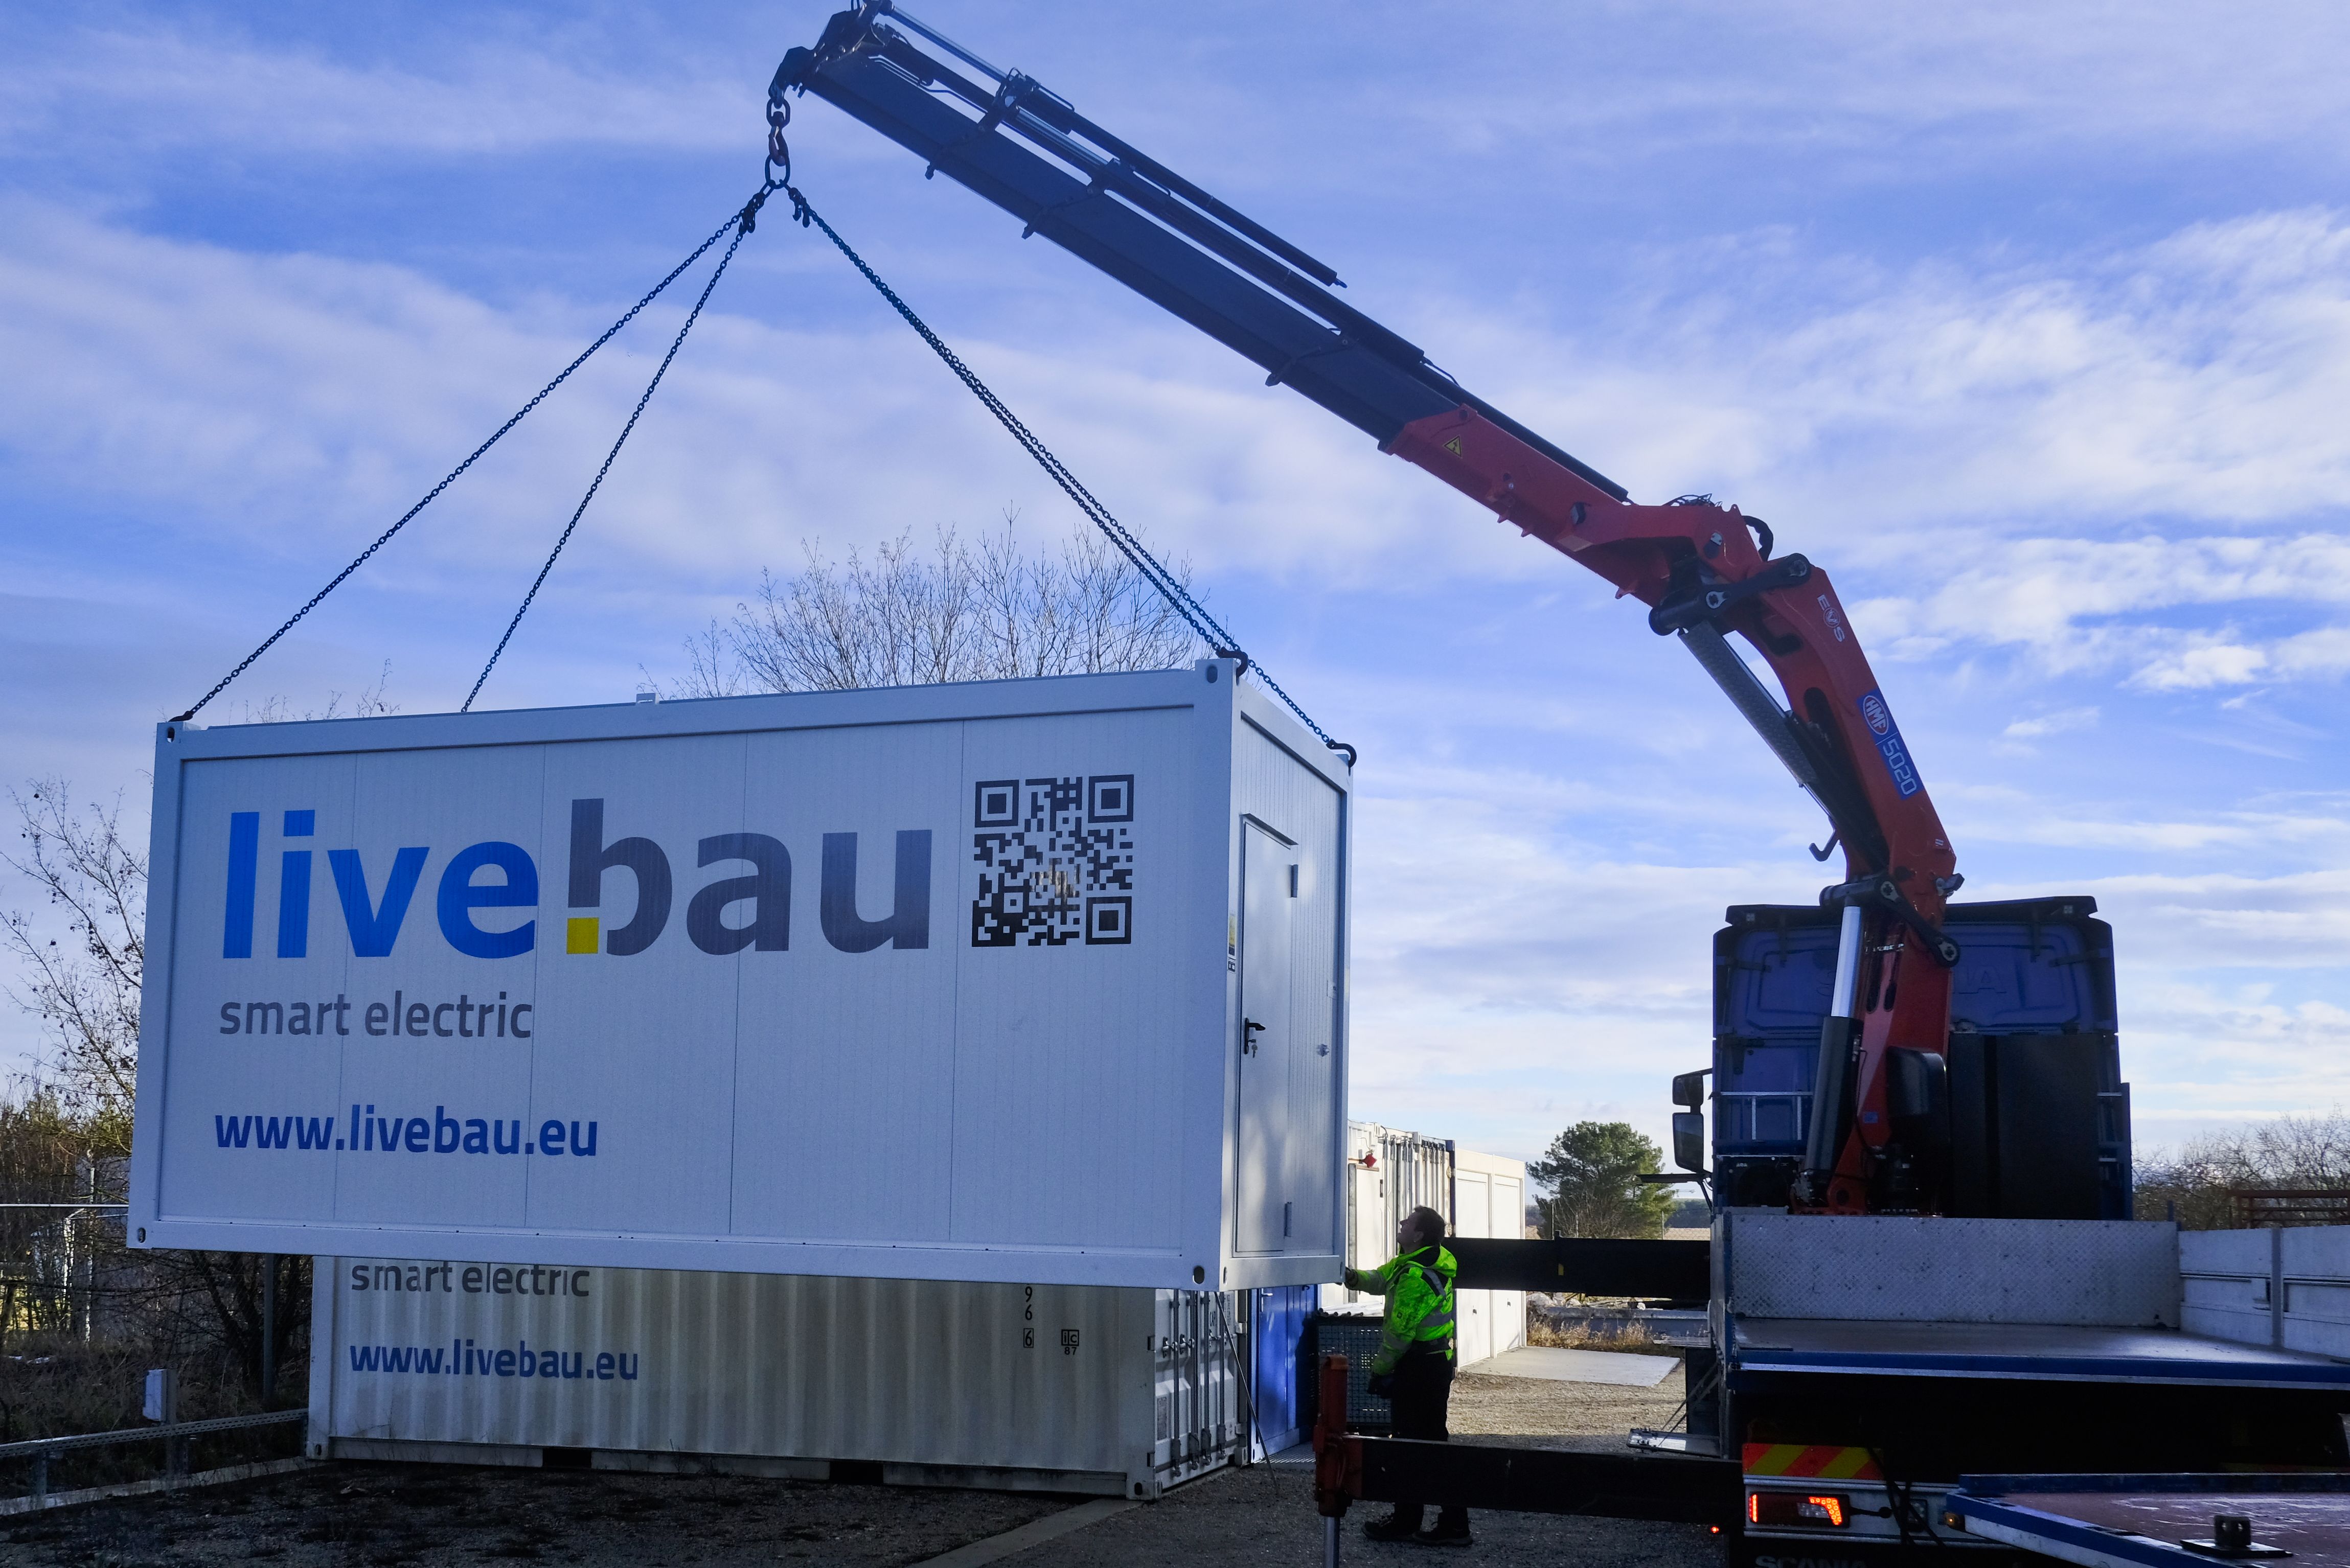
point(1593, 1172)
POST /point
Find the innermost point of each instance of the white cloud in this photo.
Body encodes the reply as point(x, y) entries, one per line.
point(2221, 660)
point(2199, 375)
point(2051, 723)
point(2168, 924)
point(1872, 92)
point(1514, 979)
point(195, 372)
point(2091, 604)
point(2124, 461)
point(1883, 87)
point(291, 398)
point(167, 89)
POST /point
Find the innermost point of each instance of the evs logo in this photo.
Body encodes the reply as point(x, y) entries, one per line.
point(762, 893)
point(1879, 720)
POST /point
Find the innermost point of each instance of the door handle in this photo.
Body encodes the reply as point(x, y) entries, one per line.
point(1249, 1029)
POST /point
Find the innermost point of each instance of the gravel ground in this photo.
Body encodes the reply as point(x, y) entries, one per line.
point(436, 1516)
point(383, 1516)
point(1265, 1515)
point(1601, 1413)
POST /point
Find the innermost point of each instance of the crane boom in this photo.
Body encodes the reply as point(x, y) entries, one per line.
point(1705, 571)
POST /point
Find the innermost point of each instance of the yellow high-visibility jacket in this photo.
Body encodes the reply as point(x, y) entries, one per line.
point(1419, 1291)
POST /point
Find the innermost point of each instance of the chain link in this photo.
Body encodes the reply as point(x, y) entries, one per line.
point(745, 221)
point(1194, 615)
point(734, 221)
point(742, 222)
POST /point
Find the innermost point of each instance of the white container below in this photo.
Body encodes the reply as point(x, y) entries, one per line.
point(1102, 1389)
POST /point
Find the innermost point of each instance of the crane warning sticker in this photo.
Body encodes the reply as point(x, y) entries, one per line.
point(1888, 736)
point(1057, 861)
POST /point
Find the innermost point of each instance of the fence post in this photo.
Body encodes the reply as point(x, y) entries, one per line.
point(86, 1292)
point(40, 1478)
point(2276, 1286)
point(268, 1331)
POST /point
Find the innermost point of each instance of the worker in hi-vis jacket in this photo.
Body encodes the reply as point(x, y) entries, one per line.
point(1413, 1367)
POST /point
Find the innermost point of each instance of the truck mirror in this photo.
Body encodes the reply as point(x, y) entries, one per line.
point(1689, 1089)
point(1689, 1140)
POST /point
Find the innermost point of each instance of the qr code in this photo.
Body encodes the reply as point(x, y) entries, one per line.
point(1057, 861)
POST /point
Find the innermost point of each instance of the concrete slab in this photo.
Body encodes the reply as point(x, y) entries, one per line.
point(1263, 1518)
point(1619, 1367)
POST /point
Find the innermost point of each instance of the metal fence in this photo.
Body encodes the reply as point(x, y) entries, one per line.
point(2257, 1206)
point(175, 1435)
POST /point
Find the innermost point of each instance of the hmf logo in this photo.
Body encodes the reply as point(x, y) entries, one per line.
point(751, 906)
point(1879, 720)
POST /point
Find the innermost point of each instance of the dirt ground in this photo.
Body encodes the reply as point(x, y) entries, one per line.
point(1533, 1407)
point(438, 1516)
point(345, 1515)
point(1265, 1514)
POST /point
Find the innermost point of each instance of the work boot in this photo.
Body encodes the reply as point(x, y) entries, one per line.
point(1452, 1530)
point(1403, 1524)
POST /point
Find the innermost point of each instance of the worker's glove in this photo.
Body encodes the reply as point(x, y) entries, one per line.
point(1381, 1385)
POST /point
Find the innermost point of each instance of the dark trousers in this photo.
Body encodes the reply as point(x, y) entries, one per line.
point(1423, 1394)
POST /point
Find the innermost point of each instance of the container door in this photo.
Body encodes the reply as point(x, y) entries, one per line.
point(1473, 1309)
point(1372, 1240)
point(1509, 1317)
point(1374, 1234)
point(1268, 882)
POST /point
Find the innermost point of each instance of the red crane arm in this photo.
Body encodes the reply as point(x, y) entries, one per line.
point(1683, 560)
point(1799, 628)
point(1698, 566)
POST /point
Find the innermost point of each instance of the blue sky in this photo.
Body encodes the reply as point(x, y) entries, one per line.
point(2030, 324)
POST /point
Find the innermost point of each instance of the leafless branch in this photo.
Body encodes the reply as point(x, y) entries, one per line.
point(906, 616)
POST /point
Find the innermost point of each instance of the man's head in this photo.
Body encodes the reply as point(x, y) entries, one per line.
point(1423, 1227)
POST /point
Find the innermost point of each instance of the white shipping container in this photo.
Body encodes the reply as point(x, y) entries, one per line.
point(1389, 1174)
point(1039, 981)
point(1112, 1390)
point(1489, 1199)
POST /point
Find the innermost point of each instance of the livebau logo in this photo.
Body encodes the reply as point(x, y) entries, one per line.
point(764, 893)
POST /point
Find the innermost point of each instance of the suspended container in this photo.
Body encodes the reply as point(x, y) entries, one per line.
point(1036, 981)
point(1111, 1390)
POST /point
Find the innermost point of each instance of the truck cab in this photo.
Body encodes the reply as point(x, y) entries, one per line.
point(1858, 1366)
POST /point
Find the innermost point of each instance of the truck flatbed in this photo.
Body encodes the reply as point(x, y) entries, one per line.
point(2061, 1352)
point(2148, 1521)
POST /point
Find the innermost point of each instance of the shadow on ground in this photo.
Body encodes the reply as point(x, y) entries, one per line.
point(350, 1515)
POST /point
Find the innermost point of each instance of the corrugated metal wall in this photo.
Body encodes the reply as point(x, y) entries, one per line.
point(1138, 1387)
point(1405, 1171)
point(1408, 1170)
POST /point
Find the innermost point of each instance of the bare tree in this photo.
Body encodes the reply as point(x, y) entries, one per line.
point(2308, 1153)
point(955, 613)
point(64, 1133)
point(84, 984)
point(367, 704)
